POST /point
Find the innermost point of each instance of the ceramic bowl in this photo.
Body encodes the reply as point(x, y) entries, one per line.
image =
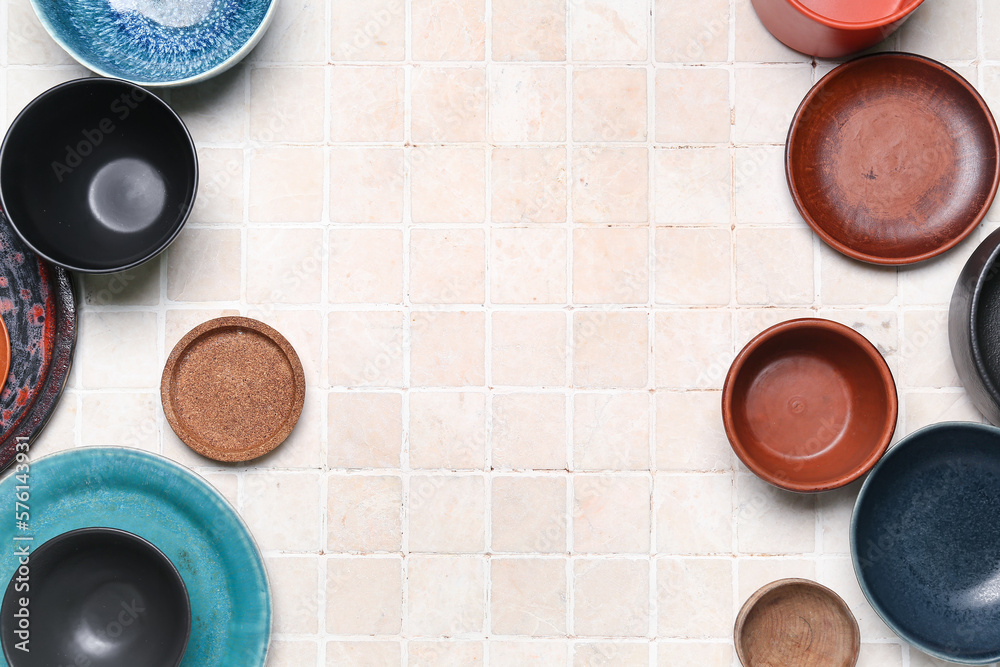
point(893, 158)
point(796, 622)
point(924, 541)
point(974, 327)
point(157, 42)
point(97, 175)
point(95, 596)
point(833, 28)
point(809, 405)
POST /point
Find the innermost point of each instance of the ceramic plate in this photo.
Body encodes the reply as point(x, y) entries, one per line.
point(39, 311)
point(925, 544)
point(156, 42)
point(893, 158)
point(177, 511)
point(233, 389)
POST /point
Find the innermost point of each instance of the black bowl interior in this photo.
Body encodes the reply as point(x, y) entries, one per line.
point(98, 174)
point(986, 323)
point(926, 541)
point(99, 597)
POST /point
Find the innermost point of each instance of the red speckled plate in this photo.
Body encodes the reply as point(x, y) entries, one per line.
point(39, 311)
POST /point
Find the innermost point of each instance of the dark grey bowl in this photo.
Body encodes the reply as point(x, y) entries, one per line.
point(100, 597)
point(97, 175)
point(925, 545)
point(974, 327)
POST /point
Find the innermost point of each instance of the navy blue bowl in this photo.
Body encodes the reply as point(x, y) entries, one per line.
point(926, 544)
point(156, 42)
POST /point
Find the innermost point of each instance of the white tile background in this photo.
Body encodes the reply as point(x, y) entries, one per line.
point(516, 246)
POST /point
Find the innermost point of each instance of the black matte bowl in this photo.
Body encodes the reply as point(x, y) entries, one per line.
point(100, 597)
point(97, 175)
point(974, 327)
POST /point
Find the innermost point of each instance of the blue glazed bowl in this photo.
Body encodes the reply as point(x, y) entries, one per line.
point(157, 42)
point(168, 505)
point(926, 544)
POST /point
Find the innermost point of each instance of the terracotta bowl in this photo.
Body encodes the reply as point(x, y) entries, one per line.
point(796, 622)
point(833, 28)
point(809, 405)
point(893, 158)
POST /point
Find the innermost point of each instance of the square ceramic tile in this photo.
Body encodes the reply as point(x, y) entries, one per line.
point(518, 653)
point(610, 265)
point(611, 597)
point(847, 281)
point(687, 359)
point(528, 266)
point(692, 106)
point(611, 185)
point(365, 430)
point(295, 583)
point(283, 510)
point(529, 514)
point(689, 433)
point(286, 184)
point(755, 44)
point(609, 104)
point(368, 103)
point(366, 349)
point(134, 287)
point(694, 598)
point(761, 191)
point(446, 595)
point(693, 266)
point(527, 104)
point(924, 350)
point(290, 265)
point(363, 654)
point(692, 186)
point(766, 100)
point(365, 265)
point(447, 513)
point(694, 514)
point(297, 34)
point(277, 109)
point(125, 419)
point(364, 513)
point(448, 184)
point(611, 431)
point(447, 430)
point(447, 348)
point(942, 32)
point(529, 32)
point(285, 653)
point(529, 431)
point(610, 350)
point(528, 596)
point(204, 265)
point(771, 520)
point(217, 109)
point(122, 350)
point(774, 266)
point(220, 192)
point(528, 185)
point(447, 266)
point(448, 30)
point(366, 185)
point(692, 33)
point(368, 31)
point(610, 30)
point(364, 596)
point(529, 348)
point(611, 514)
point(449, 104)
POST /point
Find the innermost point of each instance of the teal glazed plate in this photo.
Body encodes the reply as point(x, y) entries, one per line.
point(157, 42)
point(174, 509)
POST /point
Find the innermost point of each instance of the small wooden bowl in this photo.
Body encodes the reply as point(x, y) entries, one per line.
point(796, 622)
point(893, 158)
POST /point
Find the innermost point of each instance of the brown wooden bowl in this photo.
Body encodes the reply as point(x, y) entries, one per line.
point(892, 158)
point(809, 405)
point(796, 622)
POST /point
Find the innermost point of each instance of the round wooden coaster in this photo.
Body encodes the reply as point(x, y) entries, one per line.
point(233, 389)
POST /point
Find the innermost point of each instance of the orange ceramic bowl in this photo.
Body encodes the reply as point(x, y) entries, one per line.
point(833, 28)
point(809, 405)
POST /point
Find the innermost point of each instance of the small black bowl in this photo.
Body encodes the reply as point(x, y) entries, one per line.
point(974, 327)
point(100, 597)
point(98, 175)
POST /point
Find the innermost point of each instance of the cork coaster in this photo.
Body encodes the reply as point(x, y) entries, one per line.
point(233, 389)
